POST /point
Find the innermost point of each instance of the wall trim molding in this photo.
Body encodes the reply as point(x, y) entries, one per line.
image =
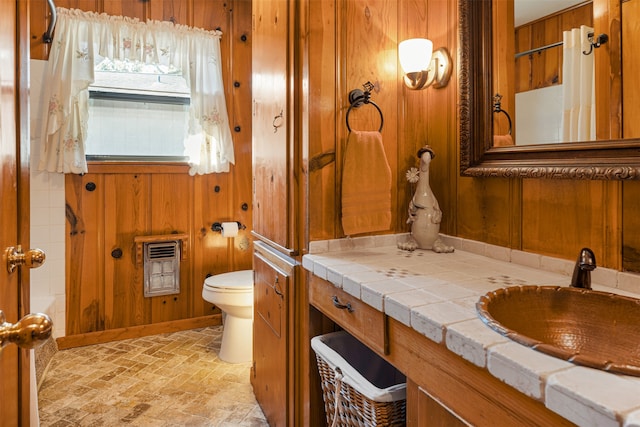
point(101, 337)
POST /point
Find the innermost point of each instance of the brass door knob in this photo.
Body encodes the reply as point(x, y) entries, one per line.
point(14, 257)
point(29, 332)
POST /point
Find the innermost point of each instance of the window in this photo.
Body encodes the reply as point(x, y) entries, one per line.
point(137, 112)
point(83, 39)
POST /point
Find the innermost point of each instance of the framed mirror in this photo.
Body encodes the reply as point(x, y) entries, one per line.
point(605, 159)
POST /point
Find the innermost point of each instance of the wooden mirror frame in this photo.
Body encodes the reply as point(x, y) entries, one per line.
point(602, 159)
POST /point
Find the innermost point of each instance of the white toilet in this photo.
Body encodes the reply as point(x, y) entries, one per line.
point(233, 294)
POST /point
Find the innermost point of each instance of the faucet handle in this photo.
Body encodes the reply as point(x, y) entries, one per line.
point(585, 264)
point(587, 259)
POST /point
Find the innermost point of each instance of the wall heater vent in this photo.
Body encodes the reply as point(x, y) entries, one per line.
point(161, 268)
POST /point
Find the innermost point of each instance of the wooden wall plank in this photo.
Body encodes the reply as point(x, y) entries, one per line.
point(523, 64)
point(126, 215)
point(85, 239)
point(631, 128)
point(371, 56)
point(239, 83)
point(607, 19)
point(484, 210)
point(210, 253)
point(322, 162)
point(168, 197)
point(135, 9)
point(504, 65)
point(559, 216)
point(176, 11)
point(441, 126)
point(631, 63)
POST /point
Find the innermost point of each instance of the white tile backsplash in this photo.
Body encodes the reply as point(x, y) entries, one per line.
point(47, 201)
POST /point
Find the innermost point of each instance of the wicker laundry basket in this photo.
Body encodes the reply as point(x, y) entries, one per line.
point(359, 387)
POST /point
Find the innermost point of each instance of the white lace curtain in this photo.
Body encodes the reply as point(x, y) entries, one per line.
point(83, 38)
point(578, 86)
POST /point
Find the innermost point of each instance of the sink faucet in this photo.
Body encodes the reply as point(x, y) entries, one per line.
point(585, 264)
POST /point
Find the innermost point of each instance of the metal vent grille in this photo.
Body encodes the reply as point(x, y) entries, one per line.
point(161, 268)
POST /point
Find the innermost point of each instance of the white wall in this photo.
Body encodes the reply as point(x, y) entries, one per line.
point(47, 221)
point(539, 116)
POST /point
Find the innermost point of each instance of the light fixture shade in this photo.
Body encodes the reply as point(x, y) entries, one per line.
point(415, 54)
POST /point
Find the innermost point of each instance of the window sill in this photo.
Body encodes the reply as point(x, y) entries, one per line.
point(137, 166)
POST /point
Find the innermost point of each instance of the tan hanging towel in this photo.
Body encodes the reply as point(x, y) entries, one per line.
point(502, 140)
point(366, 184)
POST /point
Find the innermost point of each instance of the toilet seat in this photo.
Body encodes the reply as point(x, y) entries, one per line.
point(235, 281)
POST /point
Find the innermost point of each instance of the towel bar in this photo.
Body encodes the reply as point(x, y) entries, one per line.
point(498, 109)
point(358, 97)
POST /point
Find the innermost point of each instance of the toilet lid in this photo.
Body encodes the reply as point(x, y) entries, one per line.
point(238, 280)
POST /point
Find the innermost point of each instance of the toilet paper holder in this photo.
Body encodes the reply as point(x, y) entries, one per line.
point(217, 226)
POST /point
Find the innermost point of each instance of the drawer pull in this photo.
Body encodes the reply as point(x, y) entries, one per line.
point(338, 304)
point(278, 291)
point(276, 286)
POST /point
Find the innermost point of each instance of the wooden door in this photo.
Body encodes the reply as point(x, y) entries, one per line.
point(424, 410)
point(271, 120)
point(270, 378)
point(14, 209)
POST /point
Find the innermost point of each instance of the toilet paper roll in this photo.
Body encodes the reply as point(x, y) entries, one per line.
point(229, 229)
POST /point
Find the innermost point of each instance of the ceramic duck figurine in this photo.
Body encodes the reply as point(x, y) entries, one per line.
point(424, 212)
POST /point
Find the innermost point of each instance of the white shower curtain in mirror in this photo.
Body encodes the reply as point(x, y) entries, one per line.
point(578, 86)
point(82, 39)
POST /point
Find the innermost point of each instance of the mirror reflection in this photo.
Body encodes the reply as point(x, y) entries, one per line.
point(544, 72)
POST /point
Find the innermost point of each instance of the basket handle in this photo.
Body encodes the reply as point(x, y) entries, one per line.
point(338, 379)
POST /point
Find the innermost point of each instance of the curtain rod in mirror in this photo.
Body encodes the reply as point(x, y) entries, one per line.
point(602, 39)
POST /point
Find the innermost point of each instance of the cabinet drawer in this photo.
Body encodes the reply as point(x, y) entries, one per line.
point(270, 290)
point(362, 321)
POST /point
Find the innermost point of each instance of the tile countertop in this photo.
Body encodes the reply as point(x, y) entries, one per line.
point(435, 294)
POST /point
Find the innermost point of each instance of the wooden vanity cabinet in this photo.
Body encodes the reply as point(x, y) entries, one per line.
point(443, 389)
point(271, 373)
point(356, 317)
point(424, 410)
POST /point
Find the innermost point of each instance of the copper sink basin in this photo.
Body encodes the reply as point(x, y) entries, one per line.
point(591, 328)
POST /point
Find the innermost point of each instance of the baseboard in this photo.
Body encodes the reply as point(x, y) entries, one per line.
point(43, 355)
point(99, 337)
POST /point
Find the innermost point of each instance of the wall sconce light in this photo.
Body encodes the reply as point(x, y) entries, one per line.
point(422, 66)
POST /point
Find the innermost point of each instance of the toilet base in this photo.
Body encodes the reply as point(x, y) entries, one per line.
point(237, 340)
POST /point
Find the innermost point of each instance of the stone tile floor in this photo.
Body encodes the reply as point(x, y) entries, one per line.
point(163, 380)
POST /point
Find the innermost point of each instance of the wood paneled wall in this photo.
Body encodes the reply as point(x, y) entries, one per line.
point(348, 43)
point(106, 293)
point(353, 41)
point(631, 129)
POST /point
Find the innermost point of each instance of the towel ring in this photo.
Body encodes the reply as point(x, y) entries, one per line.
point(498, 109)
point(358, 97)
